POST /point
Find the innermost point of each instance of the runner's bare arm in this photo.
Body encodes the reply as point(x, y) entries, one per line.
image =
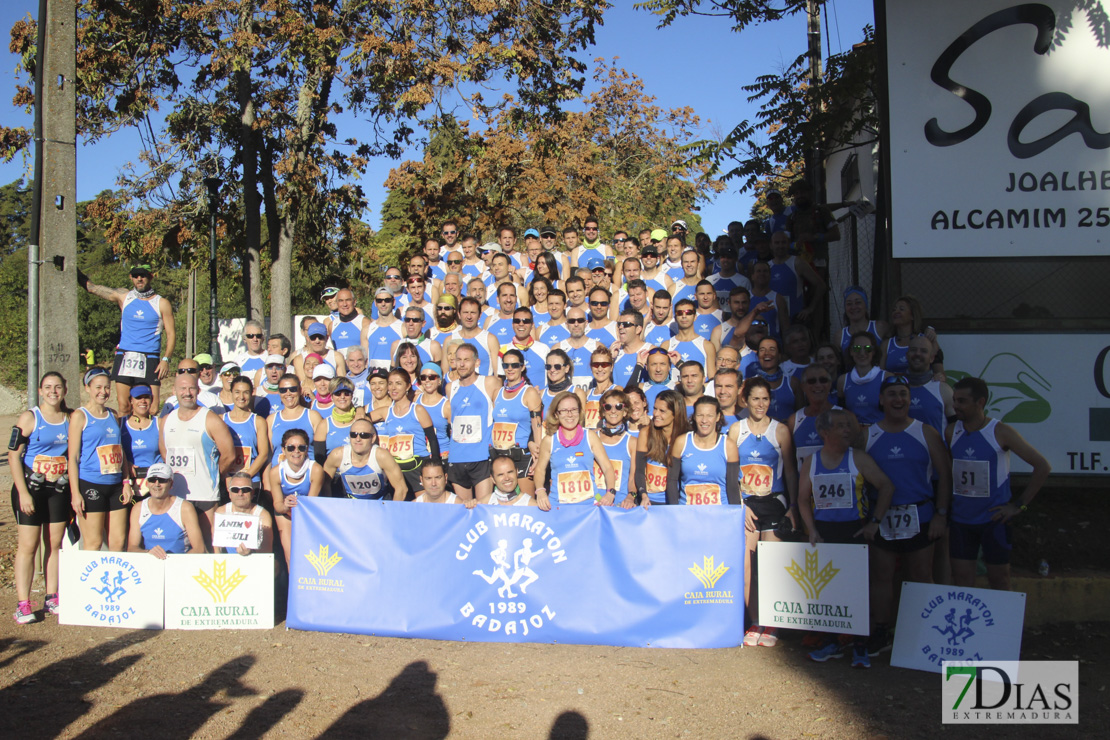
point(192, 528)
point(1009, 439)
point(114, 295)
point(221, 435)
point(171, 337)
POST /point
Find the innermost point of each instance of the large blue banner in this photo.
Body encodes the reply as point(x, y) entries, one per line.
point(669, 577)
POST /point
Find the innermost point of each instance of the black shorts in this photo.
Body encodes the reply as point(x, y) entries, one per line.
point(151, 377)
point(468, 474)
point(841, 533)
point(203, 505)
point(918, 542)
point(51, 506)
point(996, 539)
point(521, 457)
point(410, 469)
point(767, 512)
point(101, 498)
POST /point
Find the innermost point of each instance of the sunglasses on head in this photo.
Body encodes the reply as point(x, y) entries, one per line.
point(254, 336)
point(240, 489)
point(361, 435)
point(296, 448)
point(188, 370)
point(656, 351)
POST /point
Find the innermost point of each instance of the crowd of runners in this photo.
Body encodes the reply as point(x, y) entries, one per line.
point(550, 369)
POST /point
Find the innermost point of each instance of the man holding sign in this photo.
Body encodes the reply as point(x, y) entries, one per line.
point(242, 526)
point(833, 505)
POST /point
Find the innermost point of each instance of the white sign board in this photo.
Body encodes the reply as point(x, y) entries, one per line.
point(232, 530)
point(220, 592)
point(111, 589)
point(1054, 389)
point(822, 588)
point(938, 624)
point(999, 128)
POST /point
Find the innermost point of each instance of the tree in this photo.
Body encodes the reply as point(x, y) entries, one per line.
point(619, 160)
point(796, 117)
point(259, 88)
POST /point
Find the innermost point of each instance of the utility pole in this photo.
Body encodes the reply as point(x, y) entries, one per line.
point(213, 185)
point(55, 243)
point(816, 166)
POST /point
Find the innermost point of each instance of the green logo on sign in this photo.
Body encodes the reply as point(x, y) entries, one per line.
point(1011, 381)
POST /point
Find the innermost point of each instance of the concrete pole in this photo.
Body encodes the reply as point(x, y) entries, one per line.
point(58, 318)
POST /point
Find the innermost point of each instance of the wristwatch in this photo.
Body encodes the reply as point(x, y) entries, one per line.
point(165, 359)
point(613, 491)
point(874, 520)
point(942, 512)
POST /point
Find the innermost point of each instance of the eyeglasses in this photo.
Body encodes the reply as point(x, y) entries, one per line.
point(862, 347)
point(159, 481)
point(449, 233)
point(296, 448)
point(613, 406)
point(454, 262)
point(599, 303)
point(445, 308)
point(601, 364)
point(413, 320)
point(254, 336)
point(344, 392)
point(188, 370)
point(576, 321)
point(684, 312)
point(567, 411)
point(522, 321)
point(290, 389)
point(240, 489)
point(383, 300)
point(817, 381)
point(554, 367)
point(361, 435)
point(512, 365)
point(314, 337)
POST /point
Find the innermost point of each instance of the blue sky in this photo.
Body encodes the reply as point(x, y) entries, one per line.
point(698, 62)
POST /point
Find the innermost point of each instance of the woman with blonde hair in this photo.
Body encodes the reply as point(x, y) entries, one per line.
point(571, 450)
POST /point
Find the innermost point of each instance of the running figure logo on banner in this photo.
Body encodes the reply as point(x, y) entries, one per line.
point(520, 567)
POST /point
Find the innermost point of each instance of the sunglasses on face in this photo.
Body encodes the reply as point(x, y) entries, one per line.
point(413, 320)
point(601, 364)
point(231, 372)
point(290, 389)
point(317, 337)
point(296, 448)
point(344, 392)
point(862, 347)
point(685, 312)
point(590, 228)
point(619, 241)
point(512, 365)
point(576, 321)
point(449, 233)
point(817, 381)
point(392, 277)
point(444, 309)
point(188, 370)
point(454, 262)
point(240, 489)
point(625, 324)
point(554, 367)
point(361, 435)
point(613, 406)
point(254, 336)
point(158, 481)
point(522, 321)
point(428, 378)
point(205, 367)
point(383, 300)
point(599, 303)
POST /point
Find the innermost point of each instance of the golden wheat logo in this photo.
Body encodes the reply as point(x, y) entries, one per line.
point(219, 584)
point(811, 578)
point(322, 561)
point(708, 573)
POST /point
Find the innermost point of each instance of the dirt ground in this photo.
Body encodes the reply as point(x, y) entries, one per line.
point(87, 682)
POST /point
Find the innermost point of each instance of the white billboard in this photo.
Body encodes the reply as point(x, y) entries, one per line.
point(1054, 389)
point(999, 121)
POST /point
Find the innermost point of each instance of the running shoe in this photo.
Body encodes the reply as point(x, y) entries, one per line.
point(23, 613)
point(881, 641)
point(751, 637)
point(53, 604)
point(860, 658)
point(769, 638)
point(830, 650)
